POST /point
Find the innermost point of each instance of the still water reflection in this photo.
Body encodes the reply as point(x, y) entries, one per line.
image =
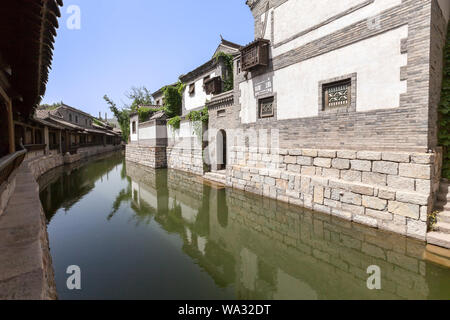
point(143, 234)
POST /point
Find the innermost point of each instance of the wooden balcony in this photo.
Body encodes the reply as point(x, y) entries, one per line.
point(213, 85)
point(255, 54)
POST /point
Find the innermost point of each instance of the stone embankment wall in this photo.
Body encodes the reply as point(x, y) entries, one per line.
point(153, 157)
point(386, 190)
point(26, 270)
point(185, 159)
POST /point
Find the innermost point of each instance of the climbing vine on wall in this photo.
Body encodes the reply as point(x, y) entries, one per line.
point(146, 112)
point(198, 118)
point(174, 122)
point(444, 111)
point(228, 81)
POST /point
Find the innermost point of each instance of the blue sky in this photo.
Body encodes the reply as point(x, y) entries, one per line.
point(125, 43)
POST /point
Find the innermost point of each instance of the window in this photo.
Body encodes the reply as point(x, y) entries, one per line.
point(337, 95)
point(70, 117)
point(221, 113)
point(134, 127)
point(76, 119)
point(158, 102)
point(205, 79)
point(86, 121)
point(266, 107)
point(192, 89)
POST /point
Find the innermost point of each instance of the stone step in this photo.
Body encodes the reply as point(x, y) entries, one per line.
point(439, 239)
point(443, 217)
point(436, 258)
point(442, 227)
point(216, 177)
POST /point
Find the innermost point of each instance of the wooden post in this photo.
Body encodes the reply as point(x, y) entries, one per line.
point(12, 143)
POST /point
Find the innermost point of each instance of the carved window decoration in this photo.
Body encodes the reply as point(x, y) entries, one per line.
point(192, 88)
point(337, 95)
point(266, 108)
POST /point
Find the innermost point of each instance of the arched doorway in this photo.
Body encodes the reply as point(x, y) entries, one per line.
point(221, 150)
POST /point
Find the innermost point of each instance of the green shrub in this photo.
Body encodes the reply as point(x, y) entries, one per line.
point(174, 122)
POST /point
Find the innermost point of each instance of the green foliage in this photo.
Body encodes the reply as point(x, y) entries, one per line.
point(122, 116)
point(198, 118)
point(174, 122)
point(145, 113)
point(229, 77)
point(140, 96)
point(173, 99)
point(50, 106)
point(444, 111)
point(97, 122)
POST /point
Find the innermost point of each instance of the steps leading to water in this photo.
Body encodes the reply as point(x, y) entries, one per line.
point(216, 176)
point(440, 236)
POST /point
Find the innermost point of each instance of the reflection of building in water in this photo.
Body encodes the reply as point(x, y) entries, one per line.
point(65, 186)
point(266, 250)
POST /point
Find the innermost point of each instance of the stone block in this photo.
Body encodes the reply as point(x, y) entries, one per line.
point(362, 189)
point(331, 173)
point(386, 194)
point(346, 154)
point(413, 198)
point(368, 221)
point(417, 171)
point(381, 215)
point(423, 186)
point(269, 181)
point(342, 164)
point(309, 171)
point(351, 198)
point(404, 209)
point(295, 152)
point(401, 183)
point(351, 175)
point(374, 203)
point(423, 158)
point(416, 229)
point(386, 167)
point(305, 185)
point(322, 162)
point(358, 210)
point(309, 152)
point(290, 160)
point(342, 214)
point(327, 153)
point(318, 195)
point(294, 168)
point(396, 157)
point(361, 165)
point(378, 179)
point(305, 161)
point(369, 155)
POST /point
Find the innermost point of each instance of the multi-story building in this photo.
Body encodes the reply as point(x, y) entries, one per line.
point(334, 107)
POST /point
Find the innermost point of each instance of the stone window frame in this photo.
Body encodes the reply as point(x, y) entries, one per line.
point(258, 113)
point(221, 113)
point(353, 94)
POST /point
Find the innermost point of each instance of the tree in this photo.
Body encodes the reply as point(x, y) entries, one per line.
point(140, 96)
point(122, 116)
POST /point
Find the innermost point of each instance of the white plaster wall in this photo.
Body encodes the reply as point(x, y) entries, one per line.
point(376, 61)
point(198, 99)
point(134, 137)
point(288, 22)
point(445, 7)
point(147, 133)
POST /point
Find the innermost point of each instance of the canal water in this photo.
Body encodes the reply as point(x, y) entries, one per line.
point(138, 233)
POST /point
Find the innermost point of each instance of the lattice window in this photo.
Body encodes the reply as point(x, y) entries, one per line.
point(192, 89)
point(337, 95)
point(266, 107)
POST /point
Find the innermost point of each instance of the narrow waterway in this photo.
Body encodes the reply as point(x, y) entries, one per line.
point(138, 233)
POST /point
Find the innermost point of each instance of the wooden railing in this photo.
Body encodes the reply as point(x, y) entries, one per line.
point(9, 163)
